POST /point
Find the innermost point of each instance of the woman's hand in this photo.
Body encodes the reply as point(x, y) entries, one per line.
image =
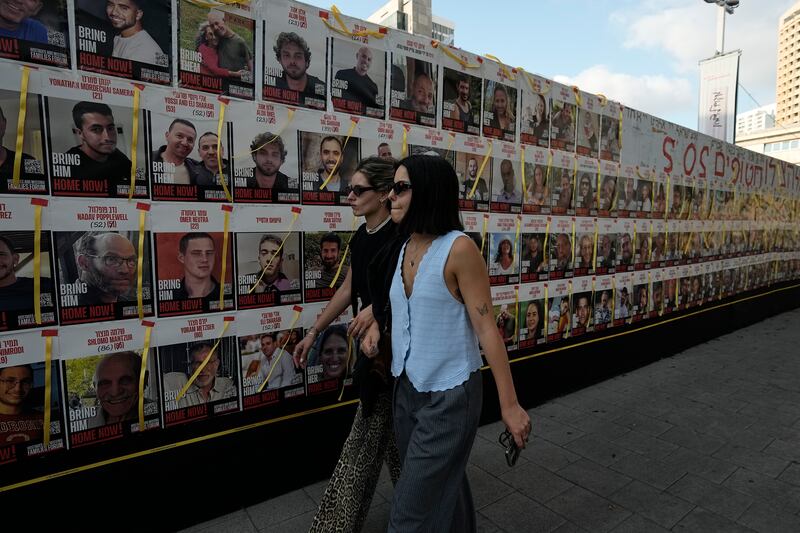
point(369, 342)
point(518, 423)
point(299, 357)
point(361, 323)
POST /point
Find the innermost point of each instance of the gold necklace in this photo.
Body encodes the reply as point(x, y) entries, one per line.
point(417, 252)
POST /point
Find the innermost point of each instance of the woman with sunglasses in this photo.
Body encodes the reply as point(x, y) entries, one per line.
point(347, 498)
point(441, 308)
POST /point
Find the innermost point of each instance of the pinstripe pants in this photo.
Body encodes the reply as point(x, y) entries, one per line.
point(435, 432)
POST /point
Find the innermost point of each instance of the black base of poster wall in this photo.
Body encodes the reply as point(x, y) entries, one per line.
point(177, 478)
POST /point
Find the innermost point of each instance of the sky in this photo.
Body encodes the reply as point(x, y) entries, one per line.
point(643, 53)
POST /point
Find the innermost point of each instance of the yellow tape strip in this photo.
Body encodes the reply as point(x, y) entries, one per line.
point(615, 200)
point(549, 168)
point(140, 266)
point(594, 254)
point(597, 188)
point(224, 271)
point(516, 235)
point(516, 305)
point(148, 330)
point(23, 108)
point(545, 88)
point(483, 232)
point(709, 200)
point(249, 153)
point(524, 181)
point(37, 263)
point(547, 237)
point(568, 333)
point(507, 73)
point(578, 97)
point(220, 125)
point(342, 29)
point(202, 365)
point(451, 141)
point(344, 255)
point(404, 149)
point(350, 350)
point(668, 194)
point(48, 388)
point(282, 351)
point(339, 159)
point(574, 180)
point(546, 314)
point(573, 243)
point(295, 214)
point(137, 92)
point(649, 244)
point(481, 169)
point(444, 48)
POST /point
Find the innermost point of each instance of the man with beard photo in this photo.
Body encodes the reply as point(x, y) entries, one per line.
point(481, 191)
point(270, 259)
point(16, 293)
point(98, 153)
point(107, 263)
point(330, 151)
point(294, 56)
point(132, 40)
point(174, 155)
point(269, 154)
point(329, 251)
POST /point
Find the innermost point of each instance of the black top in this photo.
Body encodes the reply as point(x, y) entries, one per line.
point(364, 247)
point(182, 294)
point(19, 295)
point(359, 88)
point(281, 183)
point(310, 89)
point(116, 169)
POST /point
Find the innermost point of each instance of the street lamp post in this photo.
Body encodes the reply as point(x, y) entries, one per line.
point(723, 6)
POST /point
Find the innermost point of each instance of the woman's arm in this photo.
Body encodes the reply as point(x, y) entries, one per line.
point(210, 60)
point(466, 273)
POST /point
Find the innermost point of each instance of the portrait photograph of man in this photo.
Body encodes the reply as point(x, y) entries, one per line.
point(358, 82)
point(533, 266)
point(33, 179)
point(97, 275)
point(474, 193)
point(461, 101)
point(39, 30)
point(269, 267)
point(270, 173)
point(582, 312)
point(413, 90)
point(266, 359)
point(16, 281)
point(506, 186)
point(325, 160)
point(324, 264)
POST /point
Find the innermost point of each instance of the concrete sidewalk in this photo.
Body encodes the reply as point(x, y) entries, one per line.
point(707, 440)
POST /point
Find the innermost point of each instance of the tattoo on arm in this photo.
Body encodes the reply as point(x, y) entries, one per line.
point(483, 310)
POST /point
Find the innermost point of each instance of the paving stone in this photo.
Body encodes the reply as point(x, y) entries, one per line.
point(558, 412)
point(548, 455)
point(588, 510)
point(719, 499)
point(638, 524)
point(536, 482)
point(377, 519)
point(752, 460)
point(597, 449)
point(643, 424)
point(484, 525)
point(701, 521)
point(662, 508)
point(693, 440)
point(235, 522)
point(754, 438)
point(654, 473)
point(592, 424)
point(485, 487)
point(317, 490)
point(554, 431)
point(595, 477)
point(646, 445)
point(569, 527)
point(711, 468)
point(282, 508)
point(784, 449)
point(791, 474)
point(776, 493)
point(490, 456)
point(518, 514)
point(763, 517)
point(300, 524)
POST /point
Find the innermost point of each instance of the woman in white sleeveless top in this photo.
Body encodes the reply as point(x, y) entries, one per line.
point(441, 308)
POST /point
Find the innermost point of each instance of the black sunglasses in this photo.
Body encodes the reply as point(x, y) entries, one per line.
point(399, 187)
point(511, 448)
point(358, 190)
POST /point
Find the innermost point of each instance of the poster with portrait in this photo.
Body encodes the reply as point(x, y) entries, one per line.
point(462, 91)
point(582, 308)
point(33, 161)
point(98, 250)
point(199, 365)
point(533, 256)
point(89, 137)
point(413, 79)
point(102, 367)
point(536, 171)
point(326, 260)
point(532, 317)
point(17, 268)
point(658, 246)
point(584, 197)
point(610, 131)
point(534, 124)
point(603, 302)
point(473, 165)
point(585, 231)
point(216, 46)
point(35, 31)
point(295, 56)
point(628, 186)
point(559, 314)
point(332, 356)
point(506, 179)
point(266, 339)
point(430, 140)
point(264, 154)
point(561, 180)
point(657, 292)
point(684, 287)
point(673, 236)
point(588, 125)
point(625, 229)
point(623, 296)
point(563, 111)
point(607, 195)
point(641, 296)
point(476, 227)
point(269, 267)
point(358, 71)
point(503, 250)
point(607, 245)
point(670, 283)
point(328, 157)
point(641, 253)
point(130, 39)
point(187, 160)
point(383, 139)
point(499, 119)
point(22, 394)
point(190, 266)
point(505, 307)
point(638, 140)
point(562, 232)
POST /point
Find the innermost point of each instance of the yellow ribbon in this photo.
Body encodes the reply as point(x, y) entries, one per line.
point(549, 167)
point(202, 365)
point(346, 363)
point(295, 214)
point(140, 265)
point(507, 73)
point(404, 149)
point(546, 315)
point(444, 48)
point(23, 108)
point(353, 123)
point(48, 389)
point(597, 188)
point(220, 125)
point(344, 255)
point(481, 169)
point(547, 236)
point(282, 349)
point(524, 182)
point(650, 242)
point(574, 179)
point(709, 199)
point(516, 304)
point(594, 254)
point(217, 3)
point(225, 236)
point(614, 206)
point(573, 243)
point(148, 330)
point(483, 232)
point(603, 99)
point(578, 98)
point(668, 194)
point(37, 259)
point(569, 299)
point(137, 92)
point(342, 29)
point(516, 235)
point(546, 88)
point(451, 141)
point(634, 234)
point(248, 152)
